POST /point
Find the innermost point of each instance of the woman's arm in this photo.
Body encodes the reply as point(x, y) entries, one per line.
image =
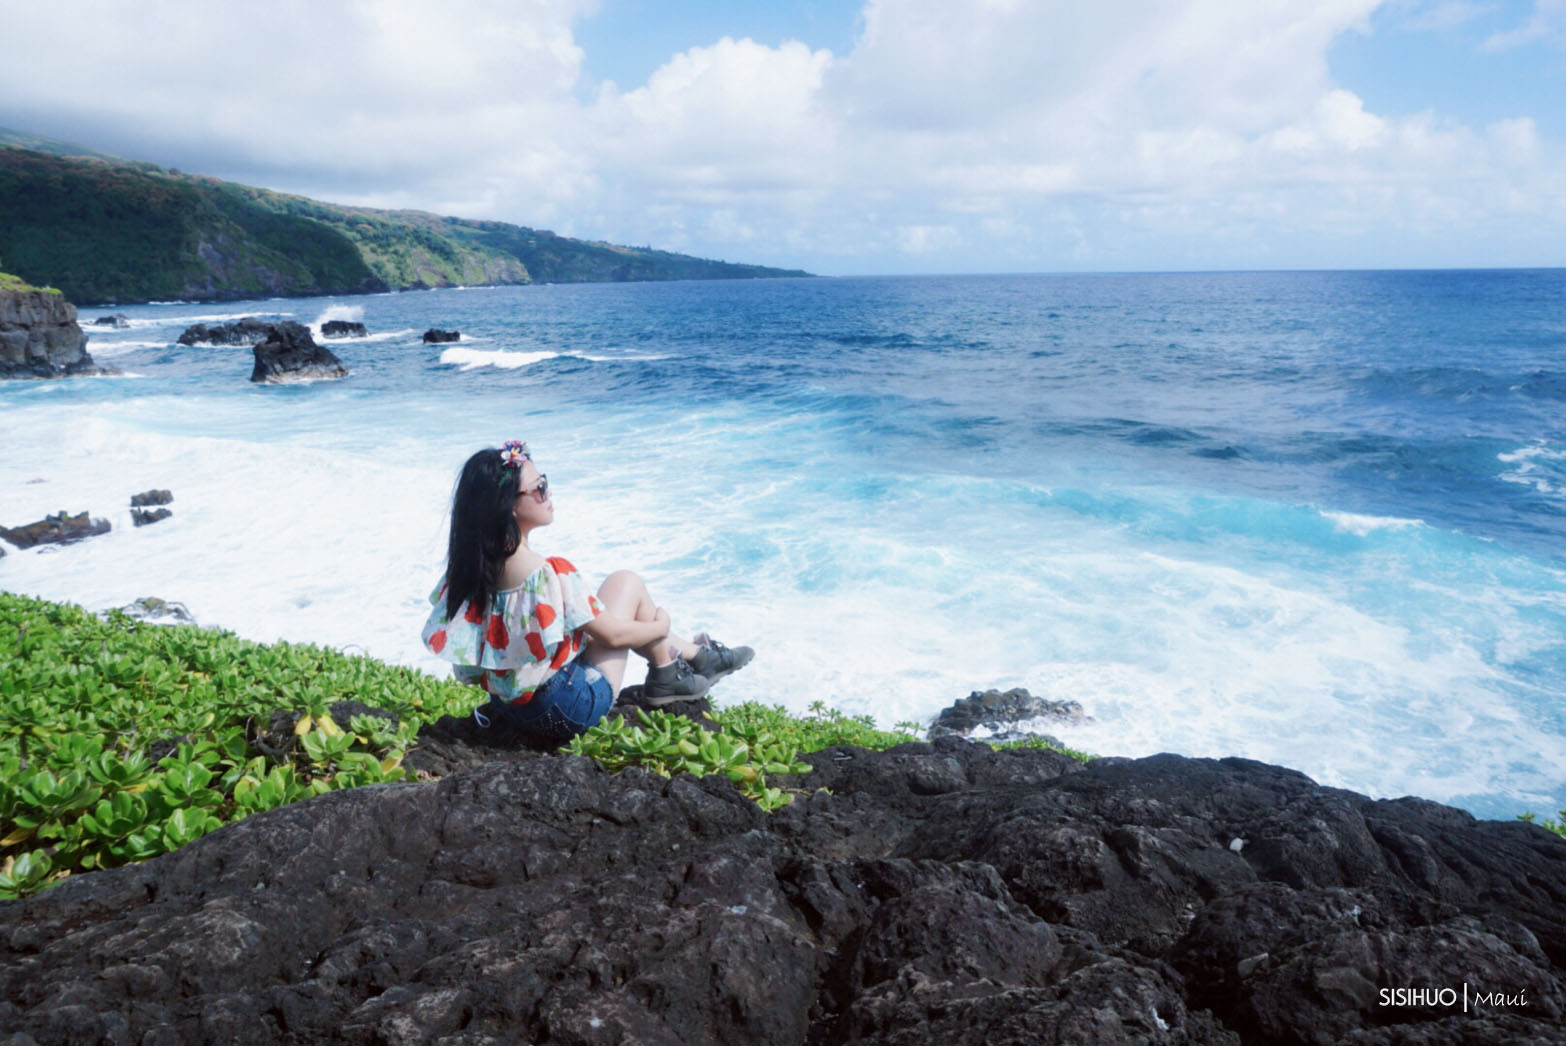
point(624, 632)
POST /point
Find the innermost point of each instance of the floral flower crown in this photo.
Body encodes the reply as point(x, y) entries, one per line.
point(513, 453)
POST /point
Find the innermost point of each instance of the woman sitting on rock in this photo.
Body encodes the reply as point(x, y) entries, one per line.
point(524, 626)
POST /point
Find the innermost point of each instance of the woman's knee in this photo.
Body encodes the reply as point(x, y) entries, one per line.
point(623, 592)
point(623, 577)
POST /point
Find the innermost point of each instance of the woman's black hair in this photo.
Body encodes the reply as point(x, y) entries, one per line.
point(484, 530)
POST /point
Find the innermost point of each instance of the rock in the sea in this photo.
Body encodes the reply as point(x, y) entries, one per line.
point(343, 329)
point(939, 893)
point(151, 497)
point(151, 608)
point(998, 712)
point(116, 321)
point(436, 335)
point(290, 354)
point(142, 516)
point(40, 338)
point(244, 331)
point(60, 528)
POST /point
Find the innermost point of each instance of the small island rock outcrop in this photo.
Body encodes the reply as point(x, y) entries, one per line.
point(290, 354)
point(436, 336)
point(246, 330)
point(999, 713)
point(40, 337)
point(143, 510)
point(343, 329)
point(62, 528)
point(939, 893)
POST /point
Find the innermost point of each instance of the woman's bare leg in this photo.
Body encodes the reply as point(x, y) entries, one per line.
point(624, 594)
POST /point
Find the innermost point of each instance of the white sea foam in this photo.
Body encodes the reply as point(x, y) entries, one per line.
point(1354, 523)
point(1415, 662)
point(220, 317)
point(108, 349)
point(505, 359)
point(1537, 465)
point(344, 313)
point(1532, 451)
point(396, 335)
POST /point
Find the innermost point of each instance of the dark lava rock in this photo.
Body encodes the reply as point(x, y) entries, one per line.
point(290, 354)
point(343, 329)
point(939, 893)
point(151, 608)
point(633, 697)
point(40, 338)
point(116, 321)
point(244, 331)
point(151, 497)
point(142, 516)
point(59, 528)
point(436, 335)
point(998, 712)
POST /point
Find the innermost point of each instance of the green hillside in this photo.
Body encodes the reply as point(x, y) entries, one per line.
point(118, 231)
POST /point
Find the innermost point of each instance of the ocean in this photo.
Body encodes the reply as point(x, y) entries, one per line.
point(1316, 519)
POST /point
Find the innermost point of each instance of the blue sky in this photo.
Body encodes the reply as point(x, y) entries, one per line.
point(893, 136)
point(1435, 57)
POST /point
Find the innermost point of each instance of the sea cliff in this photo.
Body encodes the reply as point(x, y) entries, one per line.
point(117, 231)
point(39, 335)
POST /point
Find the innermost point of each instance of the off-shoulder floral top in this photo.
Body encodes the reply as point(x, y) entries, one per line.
point(511, 647)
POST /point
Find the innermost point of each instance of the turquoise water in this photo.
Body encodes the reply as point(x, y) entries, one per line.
point(1311, 518)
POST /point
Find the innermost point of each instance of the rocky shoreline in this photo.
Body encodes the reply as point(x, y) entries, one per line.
point(942, 892)
point(40, 337)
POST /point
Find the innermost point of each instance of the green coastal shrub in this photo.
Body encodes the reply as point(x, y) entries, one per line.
point(121, 740)
point(752, 742)
point(1548, 824)
point(1048, 746)
point(669, 744)
point(8, 282)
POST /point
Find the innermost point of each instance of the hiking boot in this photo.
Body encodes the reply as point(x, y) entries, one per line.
point(674, 682)
point(714, 660)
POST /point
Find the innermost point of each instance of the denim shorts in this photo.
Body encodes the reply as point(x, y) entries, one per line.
point(570, 701)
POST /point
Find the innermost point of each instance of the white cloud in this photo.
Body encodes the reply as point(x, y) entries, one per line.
point(1547, 24)
point(996, 134)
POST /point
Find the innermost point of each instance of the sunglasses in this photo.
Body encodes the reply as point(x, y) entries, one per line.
point(540, 493)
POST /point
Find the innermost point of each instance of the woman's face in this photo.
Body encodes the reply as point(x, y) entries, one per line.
point(530, 511)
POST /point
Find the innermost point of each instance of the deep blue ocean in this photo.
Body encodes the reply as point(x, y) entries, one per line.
point(1312, 518)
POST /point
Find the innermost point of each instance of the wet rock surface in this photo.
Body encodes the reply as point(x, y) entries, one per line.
point(436, 336)
point(61, 528)
point(940, 892)
point(246, 330)
point(343, 329)
point(998, 713)
point(154, 608)
point(146, 507)
point(290, 354)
